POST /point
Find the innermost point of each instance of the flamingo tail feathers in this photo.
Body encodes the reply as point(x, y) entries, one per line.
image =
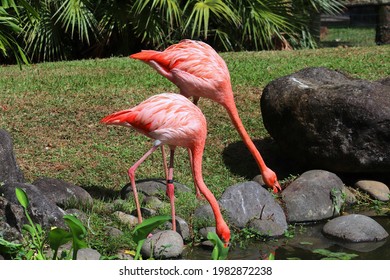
point(121, 117)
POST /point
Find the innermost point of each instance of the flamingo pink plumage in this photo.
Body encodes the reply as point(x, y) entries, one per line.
point(199, 71)
point(171, 119)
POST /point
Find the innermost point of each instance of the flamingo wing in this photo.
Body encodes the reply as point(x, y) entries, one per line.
point(193, 66)
point(170, 118)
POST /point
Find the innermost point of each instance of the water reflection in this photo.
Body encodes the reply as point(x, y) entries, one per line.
point(306, 239)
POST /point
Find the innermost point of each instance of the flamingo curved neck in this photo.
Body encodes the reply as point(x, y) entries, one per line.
point(235, 118)
point(198, 178)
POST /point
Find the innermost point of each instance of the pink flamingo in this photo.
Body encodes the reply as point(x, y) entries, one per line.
point(199, 71)
point(173, 120)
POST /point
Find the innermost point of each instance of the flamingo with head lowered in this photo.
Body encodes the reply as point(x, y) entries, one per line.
point(198, 71)
point(173, 120)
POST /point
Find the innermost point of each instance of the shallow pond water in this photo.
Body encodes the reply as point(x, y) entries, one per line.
point(301, 245)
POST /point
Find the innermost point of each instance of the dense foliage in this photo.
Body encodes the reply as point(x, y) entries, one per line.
point(50, 30)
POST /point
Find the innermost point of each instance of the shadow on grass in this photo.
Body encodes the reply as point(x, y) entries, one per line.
point(100, 192)
point(240, 161)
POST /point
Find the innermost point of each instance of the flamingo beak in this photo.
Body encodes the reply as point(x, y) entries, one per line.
point(276, 187)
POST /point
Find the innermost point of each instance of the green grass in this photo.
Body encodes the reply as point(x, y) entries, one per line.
point(52, 111)
point(348, 36)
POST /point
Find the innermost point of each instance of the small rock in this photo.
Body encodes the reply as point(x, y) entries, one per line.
point(145, 212)
point(166, 244)
point(355, 228)
point(313, 196)
point(181, 227)
point(88, 254)
point(245, 201)
point(124, 255)
point(350, 197)
point(205, 231)
point(376, 189)
point(153, 202)
point(113, 232)
point(126, 219)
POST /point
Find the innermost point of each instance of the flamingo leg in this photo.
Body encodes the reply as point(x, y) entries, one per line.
point(171, 189)
point(131, 174)
point(164, 161)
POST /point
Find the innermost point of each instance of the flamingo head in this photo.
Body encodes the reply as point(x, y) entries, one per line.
point(270, 179)
point(223, 232)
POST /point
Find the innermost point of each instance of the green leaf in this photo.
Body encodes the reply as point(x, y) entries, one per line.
point(29, 229)
point(203, 11)
point(78, 233)
point(7, 247)
point(142, 230)
point(220, 252)
point(58, 237)
point(329, 255)
point(306, 243)
point(22, 197)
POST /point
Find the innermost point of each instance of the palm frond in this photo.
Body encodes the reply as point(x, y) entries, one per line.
point(74, 14)
point(201, 13)
point(262, 21)
point(170, 9)
point(9, 30)
point(43, 37)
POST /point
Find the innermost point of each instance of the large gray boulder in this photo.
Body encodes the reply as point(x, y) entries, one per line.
point(328, 120)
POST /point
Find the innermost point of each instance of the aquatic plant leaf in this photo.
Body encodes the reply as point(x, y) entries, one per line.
point(142, 230)
point(78, 232)
point(329, 255)
point(271, 256)
point(58, 237)
point(219, 252)
point(22, 197)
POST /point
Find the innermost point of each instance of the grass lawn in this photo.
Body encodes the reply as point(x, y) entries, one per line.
point(52, 111)
point(349, 36)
